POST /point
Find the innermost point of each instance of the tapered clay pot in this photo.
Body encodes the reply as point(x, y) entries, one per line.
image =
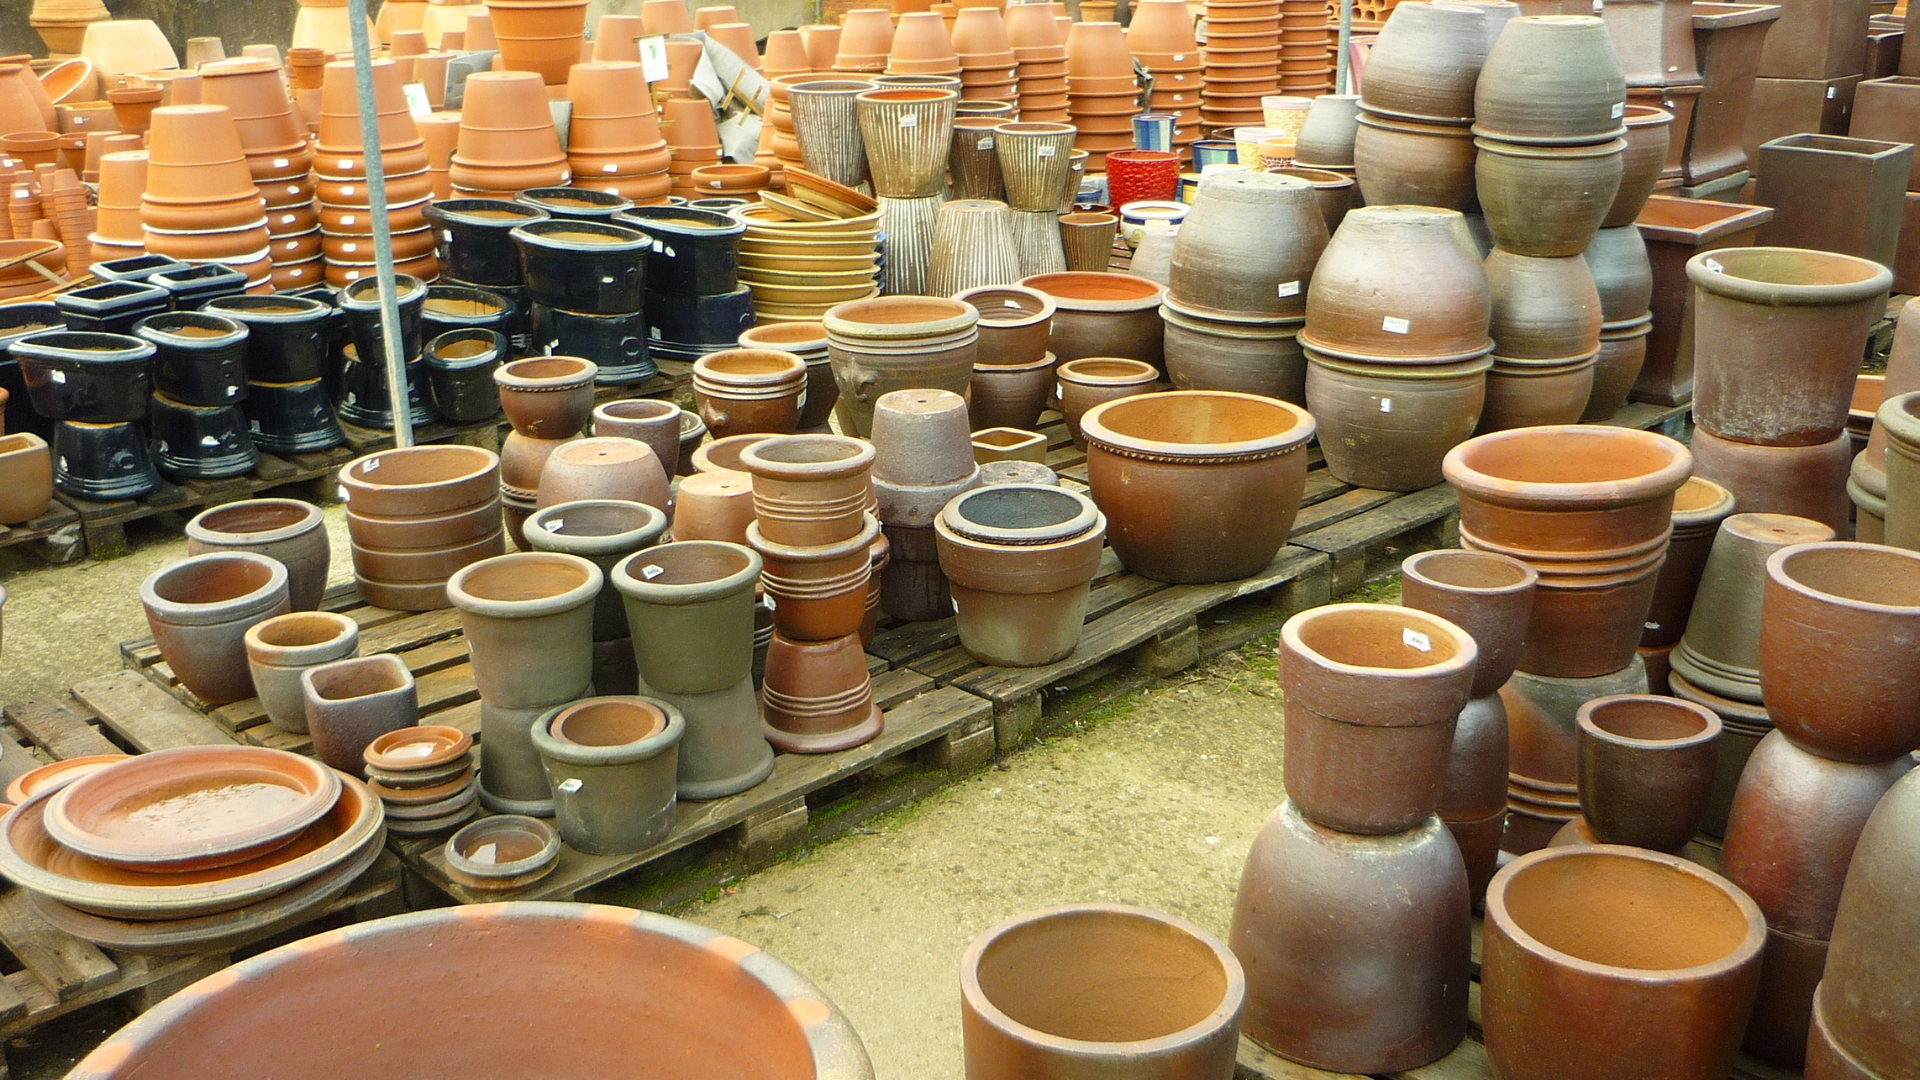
point(1197, 485)
point(528, 621)
point(1487, 595)
point(1646, 769)
point(1608, 961)
point(1804, 481)
point(923, 455)
point(350, 703)
point(1019, 559)
point(898, 343)
point(1053, 992)
point(690, 607)
point(602, 531)
point(1014, 323)
point(1362, 305)
point(651, 421)
point(816, 696)
point(1247, 248)
point(282, 647)
point(602, 468)
point(1113, 315)
point(1721, 653)
point(1425, 62)
point(1428, 410)
point(1543, 309)
point(199, 610)
point(291, 532)
point(1698, 509)
point(611, 763)
point(1546, 200)
point(1095, 380)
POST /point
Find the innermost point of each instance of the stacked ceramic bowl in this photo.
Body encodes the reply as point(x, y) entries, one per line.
point(426, 778)
point(502, 853)
point(613, 141)
point(123, 855)
point(1102, 93)
point(1414, 143)
point(1040, 53)
point(1304, 39)
point(200, 202)
point(988, 71)
point(279, 158)
point(1243, 62)
point(798, 279)
point(417, 515)
point(507, 139)
point(340, 171)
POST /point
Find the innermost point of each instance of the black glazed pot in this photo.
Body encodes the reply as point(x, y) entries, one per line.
point(291, 418)
point(463, 307)
point(578, 204)
point(719, 204)
point(364, 399)
point(696, 252)
point(197, 283)
point(191, 442)
point(584, 266)
point(134, 268)
point(111, 307)
point(361, 303)
point(199, 359)
point(18, 321)
point(617, 343)
point(460, 367)
point(101, 461)
point(477, 235)
point(689, 327)
point(80, 375)
point(287, 337)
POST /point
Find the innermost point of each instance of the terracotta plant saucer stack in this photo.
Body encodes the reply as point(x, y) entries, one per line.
point(441, 132)
point(797, 277)
point(1040, 53)
point(693, 141)
point(1161, 41)
point(200, 202)
point(507, 139)
point(613, 141)
point(1102, 93)
point(988, 70)
point(340, 174)
point(779, 138)
point(119, 855)
point(539, 36)
point(426, 778)
point(279, 158)
point(1243, 63)
point(1305, 63)
point(866, 40)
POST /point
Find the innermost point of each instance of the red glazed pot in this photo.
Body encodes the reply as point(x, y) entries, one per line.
point(1140, 175)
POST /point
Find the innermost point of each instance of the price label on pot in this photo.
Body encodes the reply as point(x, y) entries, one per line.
point(1393, 324)
point(984, 144)
point(1713, 266)
point(1414, 639)
point(653, 57)
point(1619, 109)
point(557, 525)
point(417, 102)
point(1044, 151)
point(610, 168)
point(281, 163)
point(570, 786)
point(651, 571)
point(1831, 90)
point(371, 465)
point(910, 120)
point(1178, 57)
point(1386, 404)
point(1290, 288)
point(59, 376)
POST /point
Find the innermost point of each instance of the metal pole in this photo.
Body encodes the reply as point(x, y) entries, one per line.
point(398, 392)
point(1341, 76)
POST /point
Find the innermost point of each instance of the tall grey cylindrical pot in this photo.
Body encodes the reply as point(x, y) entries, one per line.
point(725, 750)
point(601, 531)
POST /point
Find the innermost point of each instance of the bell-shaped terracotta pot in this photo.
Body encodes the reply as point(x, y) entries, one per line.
point(1646, 769)
point(714, 506)
point(603, 468)
point(816, 696)
point(1721, 651)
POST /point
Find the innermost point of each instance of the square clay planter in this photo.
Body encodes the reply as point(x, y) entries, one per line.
point(1654, 39)
point(1676, 230)
point(1888, 110)
point(1883, 53)
point(1783, 107)
point(1727, 39)
point(1835, 194)
point(1818, 39)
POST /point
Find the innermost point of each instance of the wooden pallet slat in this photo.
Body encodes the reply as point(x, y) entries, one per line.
point(59, 730)
point(145, 715)
point(64, 963)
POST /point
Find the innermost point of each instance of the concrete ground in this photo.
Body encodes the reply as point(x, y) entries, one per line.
point(1153, 800)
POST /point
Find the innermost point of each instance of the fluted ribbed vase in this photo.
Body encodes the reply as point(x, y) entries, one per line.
point(1036, 240)
point(909, 225)
point(1035, 160)
point(909, 135)
point(973, 245)
point(826, 124)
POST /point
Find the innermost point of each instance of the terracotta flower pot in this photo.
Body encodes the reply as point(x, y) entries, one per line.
point(648, 420)
point(350, 703)
point(286, 530)
point(1019, 559)
point(1205, 353)
point(1327, 135)
point(1358, 308)
point(1698, 509)
point(1857, 1028)
point(1095, 380)
point(517, 607)
point(199, 610)
point(1432, 409)
point(547, 397)
point(1015, 323)
point(26, 470)
point(281, 648)
point(816, 696)
point(1175, 472)
point(1425, 61)
point(1721, 652)
point(611, 762)
point(1551, 80)
point(923, 456)
point(1542, 308)
point(743, 391)
point(819, 591)
point(1248, 247)
point(1104, 315)
point(1489, 596)
point(1536, 393)
point(896, 343)
point(809, 489)
point(1406, 162)
point(1546, 201)
point(1646, 769)
point(1591, 950)
point(1648, 133)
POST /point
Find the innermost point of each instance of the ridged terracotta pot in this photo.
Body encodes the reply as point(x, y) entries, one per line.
point(898, 343)
point(1389, 426)
point(1019, 559)
point(1646, 769)
point(810, 490)
point(1116, 991)
point(1608, 962)
point(908, 134)
point(747, 391)
point(1721, 653)
point(1197, 485)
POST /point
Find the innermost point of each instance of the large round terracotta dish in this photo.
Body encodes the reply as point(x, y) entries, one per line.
point(715, 1007)
point(192, 807)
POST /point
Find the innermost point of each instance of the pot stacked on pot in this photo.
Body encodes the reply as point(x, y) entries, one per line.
point(923, 459)
point(908, 134)
point(988, 71)
point(898, 343)
point(1160, 37)
point(118, 233)
point(695, 303)
point(1623, 273)
point(612, 762)
point(613, 139)
point(340, 172)
point(482, 254)
point(1102, 93)
point(200, 201)
point(1018, 560)
point(1326, 138)
point(808, 341)
point(507, 139)
point(1698, 509)
point(280, 159)
point(693, 141)
point(366, 396)
point(1040, 52)
point(197, 427)
point(1013, 373)
point(1355, 862)
point(548, 400)
point(425, 777)
point(415, 516)
point(586, 281)
point(95, 387)
point(1242, 63)
point(1413, 144)
point(1034, 168)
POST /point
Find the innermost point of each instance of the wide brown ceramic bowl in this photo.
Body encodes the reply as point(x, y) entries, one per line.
point(421, 481)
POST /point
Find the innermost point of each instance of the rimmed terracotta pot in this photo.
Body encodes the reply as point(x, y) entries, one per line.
point(819, 591)
point(809, 489)
point(1015, 323)
point(603, 531)
point(1487, 595)
point(547, 397)
point(1372, 693)
point(1104, 315)
point(690, 606)
point(280, 648)
point(816, 696)
point(1176, 474)
point(1610, 961)
point(528, 621)
point(1019, 559)
point(1835, 617)
point(1055, 992)
point(1699, 506)
point(1646, 769)
point(744, 391)
point(1094, 380)
point(898, 343)
point(1248, 247)
point(611, 763)
point(588, 951)
point(288, 531)
point(199, 610)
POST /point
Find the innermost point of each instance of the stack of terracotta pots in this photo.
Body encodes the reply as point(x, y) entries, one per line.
point(1846, 729)
point(693, 142)
point(898, 343)
point(200, 201)
point(921, 45)
point(540, 36)
point(1413, 143)
point(441, 132)
point(118, 233)
point(1396, 369)
point(1780, 450)
point(1867, 484)
point(340, 169)
point(1035, 167)
point(1102, 93)
point(866, 39)
point(749, 391)
point(1013, 373)
point(816, 538)
point(988, 69)
point(1161, 41)
point(1040, 50)
point(786, 55)
point(613, 141)
point(279, 158)
point(908, 135)
point(1590, 509)
point(1306, 61)
point(547, 400)
point(780, 139)
point(1355, 860)
point(1242, 63)
point(425, 777)
point(507, 139)
point(62, 24)
point(924, 458)
point(1238, 285)
point(415, 516)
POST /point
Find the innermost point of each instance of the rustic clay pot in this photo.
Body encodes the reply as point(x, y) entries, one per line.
point(26, 476)
point(1207, 353)
point(648, 420)
point(1698, 509)
point(199, 610)
point(1611, 961)
point(1473, 796)
point(1355, 947)
point(515, 608)
point(1543, 308)
point(1115, 315)
point(1326, 137)
point(282, 647)
point(1018, 978)
point(1622, 355)
point(1488, 596)
point(898, 343)
point(1248, 247)
point(1405, 162)
point(350, 703)
point(602, 531)
point(1362, 305)
point(908, 133)
point(1621, 271)
point(1834, 615)
point(1646, 769)
point(1552, 80)
point(816, 696)
point(288, 531)
point(1648, 133)
point(923, 455)
point(1176, 472)
point(1721, 653)
point(819, 591)
point(692, 620)
point(602, 468)
point(1372, 693)
point(1859, 1028)
point(1019, 559)
point(714, 506)
point(1536, 393)
point(1092, 381)
point(1428, 410)
point(1546, 200)
point(1014, 325)
point(1424, 64)
point(744, 391)
point(1010, 395)
point(547, 397)
point(808, 341)
point(809, 489)
point(611, 763)
point(1804, 481)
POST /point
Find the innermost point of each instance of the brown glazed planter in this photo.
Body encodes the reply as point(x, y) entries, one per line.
point(1546, 200)
point(1543, 309)
point(1646, 769)
point(1363, 304)
point(1803, 481)
point(1197, 485)
point(1112, 315)
point(1758, 309)
point(816, 696)
point(1019, 559)
point(288, 531)
point(548, 397)
point(1838, 616)
point(1057, 993)
point(586, 952)
point(1095, 380)
point(1010, 395)
point(1552, 80)
point(1698, 509)
point(1721, 653)
point(1608, 962)
point(810, 489)
point(1247, 248)
point(1623, 352)
point(819, 592)
point(749, 391)
point(1372, 692)
point(199, 610)
point(1356, 948)
point(1488, 596)
point(1389, 426)
point(1588, 507)
point(1727, 42)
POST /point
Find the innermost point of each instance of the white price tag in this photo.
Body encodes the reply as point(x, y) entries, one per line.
point(1619, 109)
point(58, 376)
point(651, 571)
point(417, 102)
point(1414, 639)
point(1386, 404)
point(1179, 57)
point(1289, 288)
point(1831, 91)
point(1393, 324)
point(908, 120)
point(1713, 266)
point(557, 525)
point(1044, 151)
point(570, 786)
point(653, 58)
point(984, 144)
point(281, 163)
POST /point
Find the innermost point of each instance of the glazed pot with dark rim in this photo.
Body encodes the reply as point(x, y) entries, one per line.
point(1363, 305)
point(1590, 509)
point(528, 621)
point(113, 307)
point(1197, 485)
point(460, 367)
point(1546, 201)
point(694, 252)
point(281, 648)
point(1698, 509)
point(582, 204)
point(898, 343)
point(685, 328)
point(602, 531)
point(199, 359)
point(366, 398)
point(1389, 426)
point(200, 443)
point(101, 461)
point(1721, 652)
point(288, 531)
point(1019, 559)
point(1112, 315)
point(746, 391)
point(1205, 353)
point(1609, 961)
point(478, 238)
point(587, 952)
point(361, 302)
point(1836, 618)
point(1247, 248)
point(198, 283)
point(287, 336)
point(1372, 692)
point(690, 607)
point(1094, 380)
point(1054, 993)
point(547, 397)
point(1015, 323)
point(1356, 948)
point(1757, 309)
point(1552, 80)
point(199, 610)
point(584, 266)
point(611, 763)
point(1646, 769)
point(84, 376)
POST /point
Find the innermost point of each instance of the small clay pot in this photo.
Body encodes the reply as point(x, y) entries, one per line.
point(291, 532)
point(199, 610)
point(1721, 654)
point(1104, 315)
point(1091, 381)
point(816, 696)
point(1015, 323)
point(1019, 559)
point(281, 648)
point(611, 762)
point(1489, 596)
point(651, 421)
point(1858, 1029)
point(1646, 769)
point(690, 607)
point(350, 703)
point(547, 397)
point(809, 489)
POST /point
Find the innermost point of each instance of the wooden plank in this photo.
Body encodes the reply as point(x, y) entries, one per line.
point(1468, 1061)
point(1256, 1063)
point(145, 715)
point(13, 1006)
point(1335, 509)
point(63, 962)
point(58, 729)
